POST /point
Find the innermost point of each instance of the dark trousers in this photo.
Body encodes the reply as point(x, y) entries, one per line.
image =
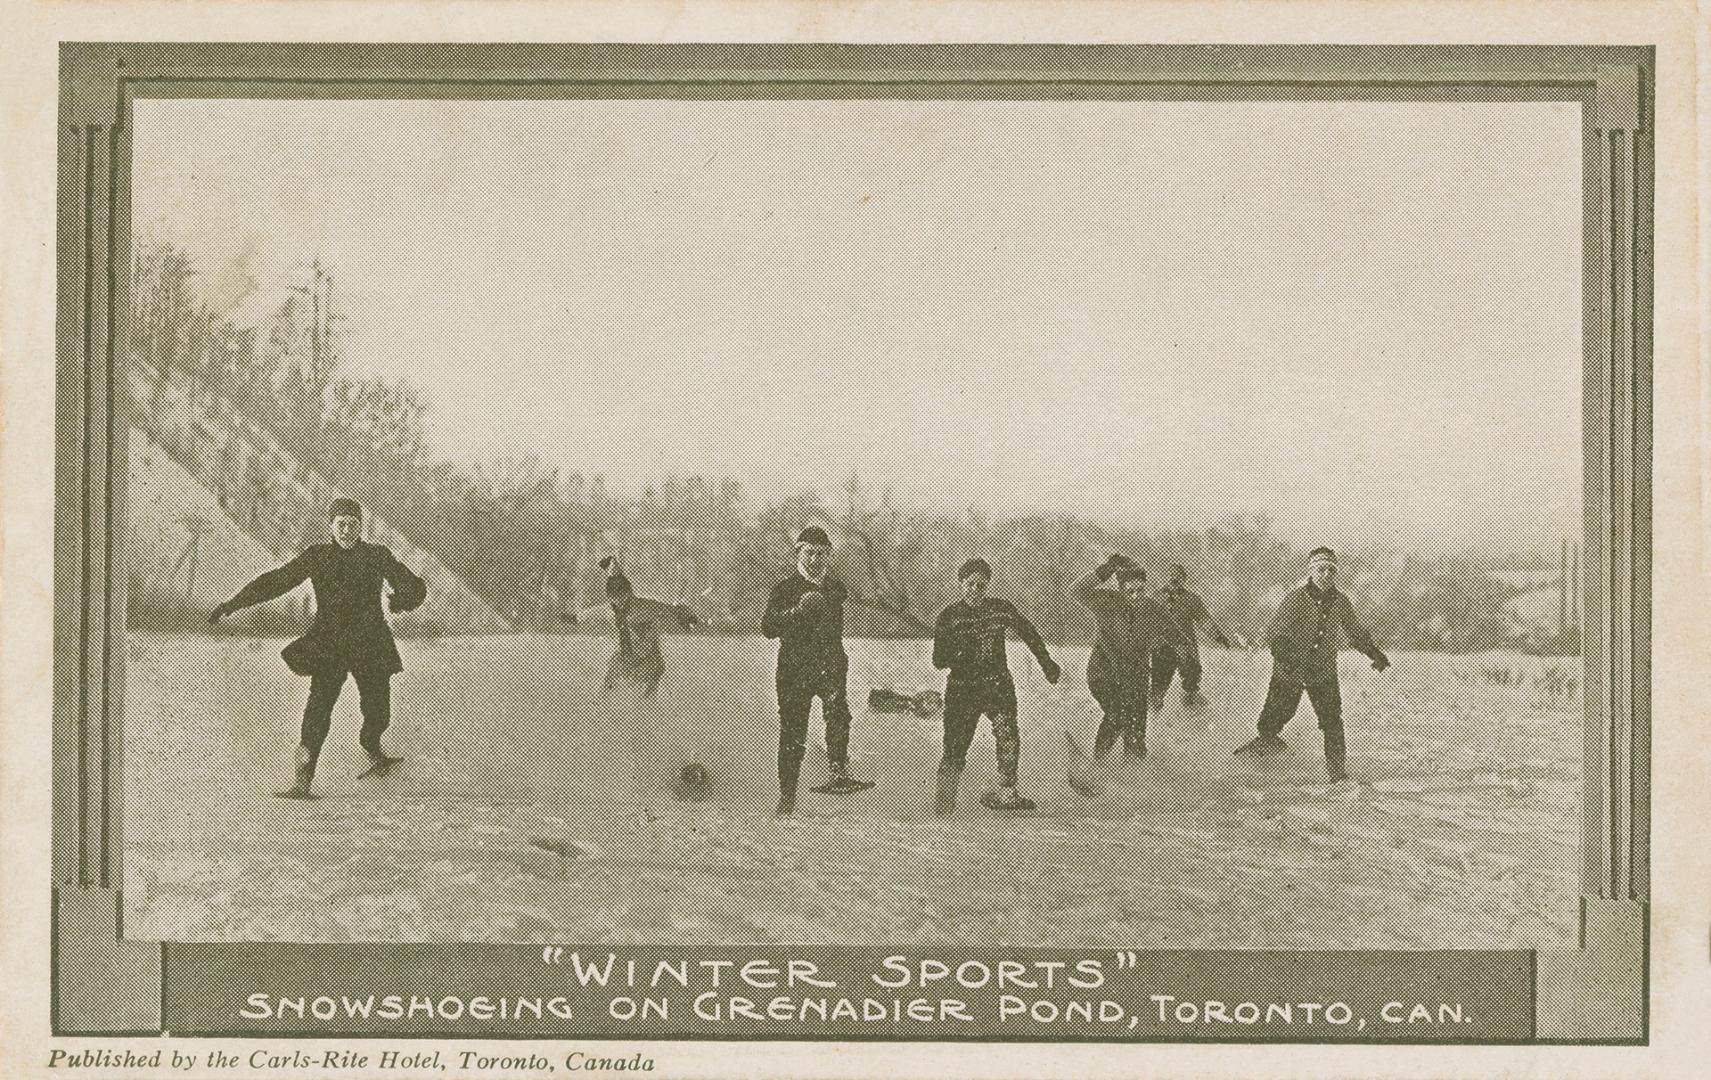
point(964, 706)
point(1284, 697)
point(376, 691)
point(1166, 663)
point(795, 698)
point(1125, 706)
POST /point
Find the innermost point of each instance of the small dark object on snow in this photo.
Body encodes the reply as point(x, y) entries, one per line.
point(925, 703)
point(692, 784)
point(561, 848)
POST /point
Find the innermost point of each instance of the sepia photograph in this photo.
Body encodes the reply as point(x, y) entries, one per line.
point(1027, 523)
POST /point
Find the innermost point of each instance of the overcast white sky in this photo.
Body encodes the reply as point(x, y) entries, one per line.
point(1362, 319)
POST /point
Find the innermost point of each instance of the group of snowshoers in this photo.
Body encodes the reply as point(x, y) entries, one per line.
point(1144, 643)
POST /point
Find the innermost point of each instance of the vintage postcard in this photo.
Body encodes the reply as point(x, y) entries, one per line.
point(947, 554)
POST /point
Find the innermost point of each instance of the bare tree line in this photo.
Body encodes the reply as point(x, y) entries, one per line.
point(525, 535)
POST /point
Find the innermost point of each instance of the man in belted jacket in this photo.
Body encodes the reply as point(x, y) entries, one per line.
point(1305, 633)
point(349, 636)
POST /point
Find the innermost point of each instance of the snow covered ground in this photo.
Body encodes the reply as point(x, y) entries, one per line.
point(529, 810)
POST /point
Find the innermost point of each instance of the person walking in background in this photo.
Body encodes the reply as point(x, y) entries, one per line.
point(805, 612)
point(1305, 633)
point(1185, 606)
point(968, 640)
point(1130, 624)
point(348, 638)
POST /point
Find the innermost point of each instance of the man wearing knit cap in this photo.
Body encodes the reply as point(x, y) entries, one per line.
point(349, 636)
point(1307, 630)
point(1130, 624)
point(805, 612)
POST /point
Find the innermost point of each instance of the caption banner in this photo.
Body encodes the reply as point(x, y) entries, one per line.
point(843, 992)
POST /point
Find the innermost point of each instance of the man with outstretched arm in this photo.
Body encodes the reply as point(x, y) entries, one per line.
point(638, 622)
point(1185, 606)
point(349, 636)
point(805, 612)
point(968, 639)
point(1305, 633)
point(1130, 623)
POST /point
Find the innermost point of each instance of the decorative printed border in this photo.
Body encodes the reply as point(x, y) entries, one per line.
point(104, 984)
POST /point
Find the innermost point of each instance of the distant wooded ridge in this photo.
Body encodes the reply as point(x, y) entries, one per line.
point(519, 540)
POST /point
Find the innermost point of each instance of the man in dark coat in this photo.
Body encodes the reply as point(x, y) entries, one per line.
point(349, 636)
point(1185, 606)
point(968, 639)
point(1130, 624)
point(1305, 633)
point(805, 612)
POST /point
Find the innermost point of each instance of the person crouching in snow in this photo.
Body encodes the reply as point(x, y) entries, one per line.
point(1305, 633)
point(638, 623)
point(348, 637)
point(633, 674)
point(968, 639)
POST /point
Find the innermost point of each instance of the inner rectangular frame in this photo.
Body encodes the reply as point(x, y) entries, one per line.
point(100, 81)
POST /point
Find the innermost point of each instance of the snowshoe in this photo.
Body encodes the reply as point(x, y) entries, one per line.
point(1263, 745)
point(1084, 785)
point(842, 785)
point(928, 703)
point(1080, 779)
point(994, 800)
point(378, 765)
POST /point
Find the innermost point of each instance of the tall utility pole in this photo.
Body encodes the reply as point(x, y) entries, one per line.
point(315, 321)
point(321, 318)
point(321, 352)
